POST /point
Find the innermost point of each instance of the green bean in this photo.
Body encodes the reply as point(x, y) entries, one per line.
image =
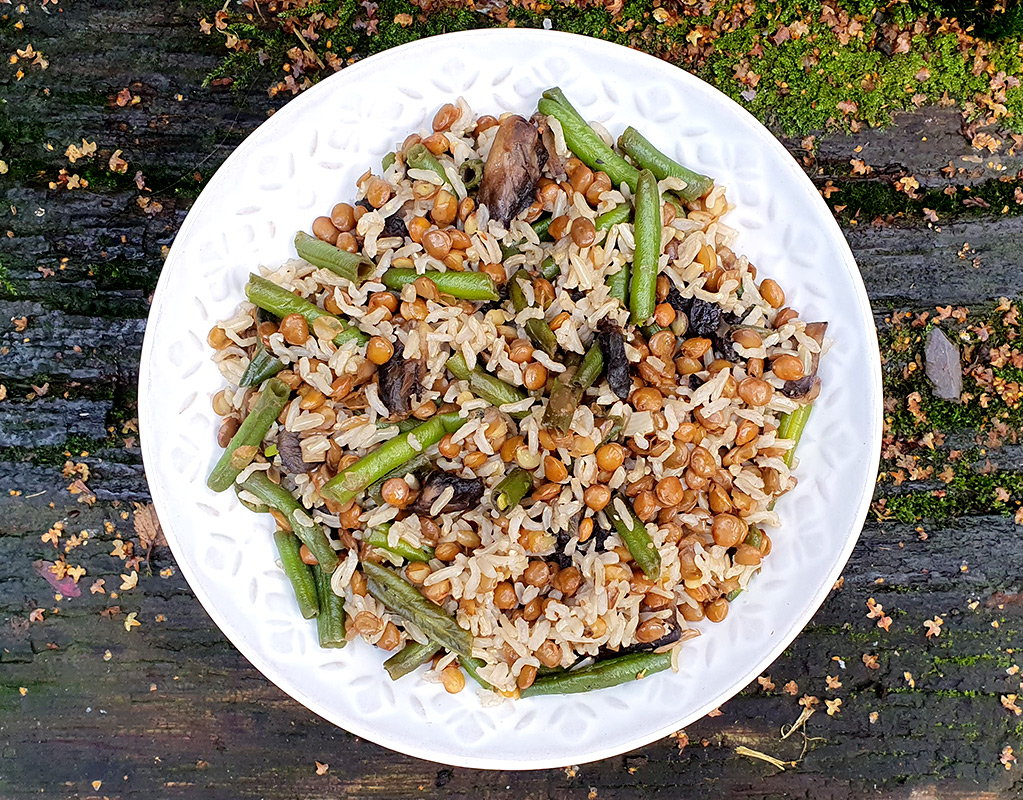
point(600, 675)
point(549, 269)
point(279, 498)
point(387, 161)
point(481, 383)
point(263, 365)
point(404, 599)
point(635, 537)
point(472, 666)
point(414, 466)
point(561, 406)
point(618, 284)
point(614, 216)
point(471, 173)
point(649, 157)
point(254, 427)
point(410, 658)
point(584, 142)
point(791, 426)
point(733, 594)
point(330, 623)
point(355, 268)
point(540, 228)
point(299, 574)
point(418, 157)
point(539, 331)
point(590, 370)
point(464, 285)
point(566, 394)
point(255, 508)
point(389, 456)
point(377, 537)
point(647, 233)
point(281, 302)
point(512, 488)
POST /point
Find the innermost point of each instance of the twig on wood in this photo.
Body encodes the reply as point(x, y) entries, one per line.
point(800, 721)
point(308, 49)
point(742, 750)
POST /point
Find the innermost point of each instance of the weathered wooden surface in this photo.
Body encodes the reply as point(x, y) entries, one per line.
point(170, 709)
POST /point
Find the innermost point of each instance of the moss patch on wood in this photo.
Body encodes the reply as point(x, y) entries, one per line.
point(799, 67)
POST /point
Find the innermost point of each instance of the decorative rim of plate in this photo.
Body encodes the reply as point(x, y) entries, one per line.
point(592, 48)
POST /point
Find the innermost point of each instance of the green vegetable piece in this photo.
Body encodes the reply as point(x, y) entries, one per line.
point(584, 142)
point(300, 575)
point(603, 674)
point(263, 365)
point(540, 228)
point(280, 302)
point(410, 658)
point(614, 216)
point(355, 268)
point(647, 233)
point(330, 623)
point(473, 666)
point(388, 161)
point(377, 537)
point(465, 285)
point(649, 157)
point(512, 488)
point(254, 427)
point(471, 173)
point(389, 456)
point(418, 157)
point(549, 269)
point(310, 532)
point(538, 330)
point(404, 599)
point(791, 426)
point(483, 384)
point(633, 533)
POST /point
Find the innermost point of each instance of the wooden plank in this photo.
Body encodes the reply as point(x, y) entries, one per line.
point(210, 706)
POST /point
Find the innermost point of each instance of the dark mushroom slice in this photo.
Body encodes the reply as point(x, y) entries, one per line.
point(289, 448)
point(467, 492)
point(722, 339)
point(704, 317)
point(673, 635)
point(399, 380)
point(394, 225)
point(513, 169)
point(616, 363)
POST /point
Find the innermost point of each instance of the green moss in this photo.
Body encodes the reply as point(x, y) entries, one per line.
point(973, 660)
point(7, 290)
point(51, 455)
point(802, 80)
point(869, 199)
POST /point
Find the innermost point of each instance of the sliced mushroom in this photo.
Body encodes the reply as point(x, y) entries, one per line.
point(513, 168)
point(467, 492)
point(289, 448)
point(673, 635)
point(399, 380)
point(616, 363)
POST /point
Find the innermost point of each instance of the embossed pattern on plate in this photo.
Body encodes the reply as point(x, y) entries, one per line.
point(306, 158)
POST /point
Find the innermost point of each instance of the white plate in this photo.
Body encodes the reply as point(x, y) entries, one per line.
point(304, 159)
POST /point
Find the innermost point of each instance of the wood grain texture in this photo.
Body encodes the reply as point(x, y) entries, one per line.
point(176, 712)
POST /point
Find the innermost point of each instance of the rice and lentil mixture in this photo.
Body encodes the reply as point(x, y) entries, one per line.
point(551, 525)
